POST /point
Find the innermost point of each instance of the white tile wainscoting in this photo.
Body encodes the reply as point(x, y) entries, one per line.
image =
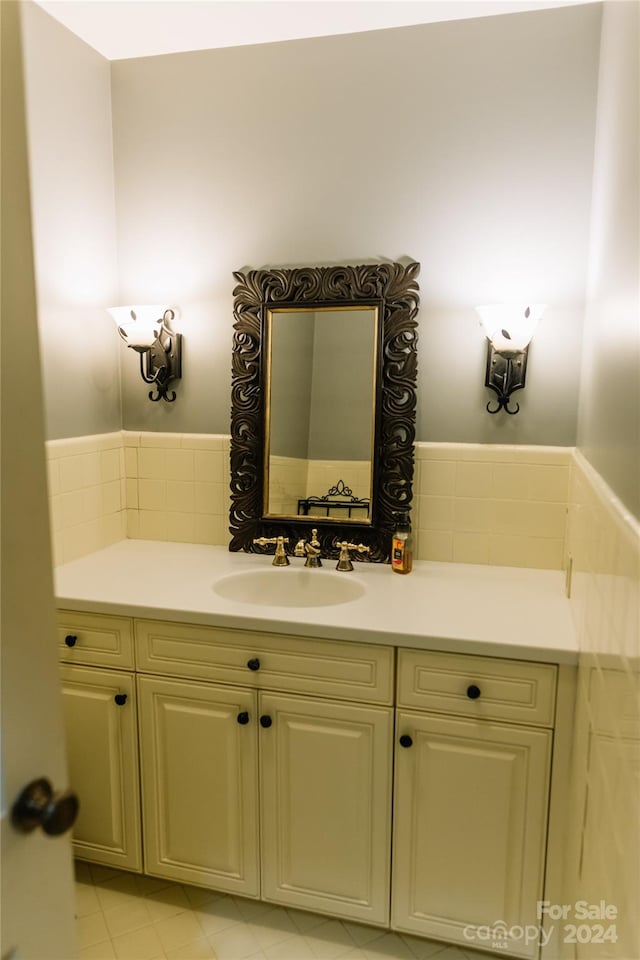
point(473, 503)
point(491, 503)
point(603, 849)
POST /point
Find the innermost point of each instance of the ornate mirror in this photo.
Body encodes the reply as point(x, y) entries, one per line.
point(323, 404)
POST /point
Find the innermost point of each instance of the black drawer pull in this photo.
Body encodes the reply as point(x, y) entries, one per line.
point(70, 640)
point(243, 718)
point(120, 699)
point(473, 692)
point(253, 664)
point(405, 740)
point(265, 721)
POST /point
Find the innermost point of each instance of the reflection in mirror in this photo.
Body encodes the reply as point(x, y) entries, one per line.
point(321, 412)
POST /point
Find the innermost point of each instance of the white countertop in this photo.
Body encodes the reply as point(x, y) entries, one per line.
point(465, 608)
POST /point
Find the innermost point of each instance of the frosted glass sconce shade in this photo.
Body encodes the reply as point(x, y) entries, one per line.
point(146, 330)
point(509, 329)
point(137, 325)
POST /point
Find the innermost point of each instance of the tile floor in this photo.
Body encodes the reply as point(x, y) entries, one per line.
point(123, 916)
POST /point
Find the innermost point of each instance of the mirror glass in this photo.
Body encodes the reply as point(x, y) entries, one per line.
point(321, 394)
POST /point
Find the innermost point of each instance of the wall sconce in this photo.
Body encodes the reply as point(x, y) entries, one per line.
point(146, 330)
point(509, 328)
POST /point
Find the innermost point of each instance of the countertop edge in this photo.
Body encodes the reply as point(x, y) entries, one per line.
point(449, 644)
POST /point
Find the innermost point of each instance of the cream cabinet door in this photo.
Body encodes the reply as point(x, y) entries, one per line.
point(101, 736)
point(325, 776)
point(469, 828)
point(198, 753)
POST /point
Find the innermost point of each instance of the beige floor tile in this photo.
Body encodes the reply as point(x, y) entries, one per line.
point(140, 945)
point(453, 953)
point(117, 891)
point(362, 934)
point(132, 917)
point(295, 948)
point(422, 949)
point(167, 903)
point(330, 940)
point(234, 943)
point(127, 917)
point(199, 895)
point(274, 927)
point(253, 910)
point(199, 950)
point(390, 945)
point(149, 885)
point(86, 899)
point(91, 929)
point(304, 921)
point(82, 871)
point(218, 915)
point(99, 951)
point(99, 873)
point(179, 930)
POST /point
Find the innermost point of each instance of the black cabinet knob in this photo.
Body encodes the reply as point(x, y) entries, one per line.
point(120, 699)
point(70, 640)
point(253, 664)
point(39, 806)
point(473, 692)
point(243, 717)
point(265, 721)
point(405, 740)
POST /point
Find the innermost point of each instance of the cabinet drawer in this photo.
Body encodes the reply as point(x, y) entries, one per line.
point(483, 687)
point(95, 639)
point(349, 671)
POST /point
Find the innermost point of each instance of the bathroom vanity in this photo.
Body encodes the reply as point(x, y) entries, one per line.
point(398, 758)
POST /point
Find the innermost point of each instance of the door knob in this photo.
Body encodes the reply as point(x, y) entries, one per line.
point(70, 640)
point(253, 664)
point(39, 806)
point(473, 692)
point(406, 740)
point(265, 721)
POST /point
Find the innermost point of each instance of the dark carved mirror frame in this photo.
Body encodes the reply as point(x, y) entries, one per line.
point(393, 289)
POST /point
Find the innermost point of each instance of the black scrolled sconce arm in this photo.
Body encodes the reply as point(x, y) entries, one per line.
point(161, 361)
point(505, 374)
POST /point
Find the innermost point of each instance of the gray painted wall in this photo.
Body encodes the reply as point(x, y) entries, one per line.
point(68, 97)
point(340, 426)
point(465, 145)
point(291, 379)
point(609, 425)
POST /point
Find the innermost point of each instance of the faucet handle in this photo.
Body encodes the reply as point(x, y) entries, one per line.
point(280, 558)
point(344, 561)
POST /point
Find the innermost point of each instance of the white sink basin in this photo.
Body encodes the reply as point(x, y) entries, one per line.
point(289, 587)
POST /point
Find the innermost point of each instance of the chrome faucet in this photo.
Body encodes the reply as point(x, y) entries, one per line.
point(309, 549)
point(344, 561)
point(280, 558)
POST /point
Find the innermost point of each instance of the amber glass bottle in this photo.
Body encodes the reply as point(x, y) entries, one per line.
point(402, 544)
